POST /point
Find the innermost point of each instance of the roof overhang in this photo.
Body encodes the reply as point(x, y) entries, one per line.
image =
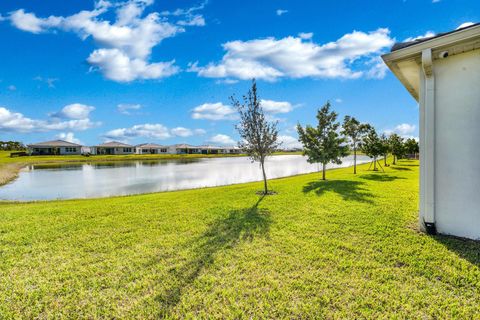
point(405, 62)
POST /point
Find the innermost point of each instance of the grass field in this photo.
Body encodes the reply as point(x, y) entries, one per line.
point(344, 248)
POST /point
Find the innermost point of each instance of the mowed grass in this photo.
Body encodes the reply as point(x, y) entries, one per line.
point(343, 248)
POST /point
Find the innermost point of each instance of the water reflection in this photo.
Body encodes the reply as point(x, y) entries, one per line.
point(102, 179)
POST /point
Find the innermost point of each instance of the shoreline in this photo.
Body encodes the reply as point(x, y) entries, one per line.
point(10, 172)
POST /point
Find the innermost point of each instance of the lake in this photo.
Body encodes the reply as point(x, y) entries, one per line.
point(93, 180)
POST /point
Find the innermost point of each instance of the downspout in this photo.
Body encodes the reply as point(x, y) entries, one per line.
point(429, 166)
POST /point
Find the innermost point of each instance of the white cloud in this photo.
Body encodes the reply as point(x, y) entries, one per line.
point(153, 131)
point(378, 68)
point(289, 142)
point(74, 111)
point(405, 130)
point(68, 136)
point(465, 24)
point(125, 43)
point(49, 81)
point(181, 132)
point(281, 12)
point(274, 107)
point(338, 100)
point(126, 109)
point(293, 57)
point(116, 65)
point(305, 35)
point(17, 122)
point(12, 87)
point(222, 139)
point(427, 34)
point(214, 111)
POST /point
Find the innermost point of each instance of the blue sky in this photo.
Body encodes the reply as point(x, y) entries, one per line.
point(162, 71)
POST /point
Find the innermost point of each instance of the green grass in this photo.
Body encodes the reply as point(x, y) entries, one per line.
point(344, 248)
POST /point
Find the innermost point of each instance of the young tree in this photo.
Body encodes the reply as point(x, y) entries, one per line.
point(396, 146)
point(354, 131)
point(411, 147)
point(259, 137)
point(372, 146)
point(385, 148)
point(323, 143)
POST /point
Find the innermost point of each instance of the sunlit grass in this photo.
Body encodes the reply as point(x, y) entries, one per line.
point(344, 248)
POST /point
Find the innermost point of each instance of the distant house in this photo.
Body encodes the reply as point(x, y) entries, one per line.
point(151, 148)
point(55, 147)
point(112, 147)
point(184, 149)
point(442, 73)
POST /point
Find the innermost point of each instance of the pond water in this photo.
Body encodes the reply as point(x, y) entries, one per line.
point(92, 180)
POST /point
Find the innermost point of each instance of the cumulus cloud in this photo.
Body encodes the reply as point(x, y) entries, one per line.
point(465, 24)
point(74, 111)
point(222, 139)
point(293, 57)
point(404, 130)
point(427, 34)
point(274, 107)
point(151, 131)
point(125, 43)
point(289, 142)
point(214, 111)
point(127, 109)
point(305, 35)
point(17, 122)
point(68, 136)
point(281, 12)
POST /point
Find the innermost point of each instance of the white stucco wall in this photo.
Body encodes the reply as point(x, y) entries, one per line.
point(457, 145)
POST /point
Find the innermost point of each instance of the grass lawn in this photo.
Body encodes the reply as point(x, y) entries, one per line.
point(344, 248)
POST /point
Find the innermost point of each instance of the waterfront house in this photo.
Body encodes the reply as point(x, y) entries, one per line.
point(113, 147)
point(184, 149)
point(55, 147)
point(151, 148)
point(443, 74)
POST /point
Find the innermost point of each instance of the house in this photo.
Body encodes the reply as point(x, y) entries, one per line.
point(207, 149)
point(113, 147)
point(55, 147)
point(184, 149)
point(150, 148)
point(443, 74)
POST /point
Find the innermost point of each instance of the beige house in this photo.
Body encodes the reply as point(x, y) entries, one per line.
point(151, 148)
point(55, 147)
point(443, 74)
point(113, 147)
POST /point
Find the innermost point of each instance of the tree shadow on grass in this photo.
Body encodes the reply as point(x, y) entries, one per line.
point(379, 177)
point(347, 189)
point(223, 234)
point(401, 168)
point(464, 248)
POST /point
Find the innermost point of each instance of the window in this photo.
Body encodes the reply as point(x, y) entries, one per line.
point(70, 149)
point(127, 150)
point(163, 150)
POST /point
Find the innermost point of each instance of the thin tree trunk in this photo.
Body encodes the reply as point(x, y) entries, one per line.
point(385, 160)
point(394, 159)
point(375, 164)
point(264, 177)
point(354, 160)
point(324, 165)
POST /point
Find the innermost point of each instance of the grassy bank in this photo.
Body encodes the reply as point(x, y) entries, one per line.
point(344, 248)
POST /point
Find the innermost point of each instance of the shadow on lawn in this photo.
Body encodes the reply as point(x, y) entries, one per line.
point(347, 189)
point(379, 177)
point(464, 248)
point(223, 234)
point(401, 168)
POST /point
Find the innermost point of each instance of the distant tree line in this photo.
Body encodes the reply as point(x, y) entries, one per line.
point(12, 146)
